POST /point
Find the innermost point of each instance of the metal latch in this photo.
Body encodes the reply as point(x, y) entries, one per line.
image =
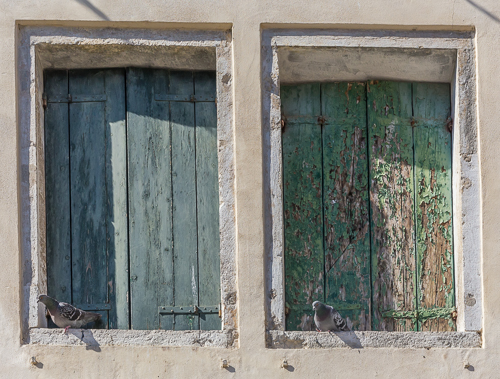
point(188, 310)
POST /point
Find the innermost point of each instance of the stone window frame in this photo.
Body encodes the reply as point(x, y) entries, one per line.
point(466, 178)
point(40, 47)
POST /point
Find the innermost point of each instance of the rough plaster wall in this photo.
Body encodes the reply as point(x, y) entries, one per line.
point(361, 64)
point(251, 359)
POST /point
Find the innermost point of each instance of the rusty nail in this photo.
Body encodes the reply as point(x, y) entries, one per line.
point(224, 363)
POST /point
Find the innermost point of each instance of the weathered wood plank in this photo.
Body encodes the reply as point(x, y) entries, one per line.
point(88, 190)
point(302, 205)
point(392, 202)
point(184, 199)
point(116, 199)
point(57, 189)
point(150, 204)
point(346, 202)
point(207, 191)
point(431, 104)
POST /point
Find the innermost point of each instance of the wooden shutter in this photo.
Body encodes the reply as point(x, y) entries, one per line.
point(346, 205)
point(435, 262)
point(86, 191)
point(132, 196)
point(386, 200)
point(392, 202)
point(173, 199)
point(303, 194)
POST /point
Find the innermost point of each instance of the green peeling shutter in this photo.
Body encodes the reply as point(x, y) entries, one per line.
point(367, 213)
point(132, 196)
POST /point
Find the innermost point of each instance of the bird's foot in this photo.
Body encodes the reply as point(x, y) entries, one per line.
point(66, 330)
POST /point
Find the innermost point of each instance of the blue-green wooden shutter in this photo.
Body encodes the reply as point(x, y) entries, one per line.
point(174, 219)
point(87, 257)
point(132, 207)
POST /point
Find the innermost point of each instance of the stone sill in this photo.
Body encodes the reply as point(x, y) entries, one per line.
point(115, 337)
point(278, 339)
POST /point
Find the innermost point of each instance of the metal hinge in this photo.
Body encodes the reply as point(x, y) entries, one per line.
point(283, 123)
point(188, 310)
point(192, 98)
point(449, 124)
point(44, 101)
point(422, 314)
point(94, 307)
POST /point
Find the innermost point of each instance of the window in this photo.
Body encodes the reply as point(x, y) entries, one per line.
point(367, 204)
point(132, 196)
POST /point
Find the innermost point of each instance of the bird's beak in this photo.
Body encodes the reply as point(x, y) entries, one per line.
point(38, 301)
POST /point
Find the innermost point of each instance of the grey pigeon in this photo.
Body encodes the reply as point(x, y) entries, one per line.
point(327, 318)
point(65, 315)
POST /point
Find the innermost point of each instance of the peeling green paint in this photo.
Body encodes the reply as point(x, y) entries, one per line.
point(345, 202)
point(367, 204)
point(431, 103)
point(391, 195)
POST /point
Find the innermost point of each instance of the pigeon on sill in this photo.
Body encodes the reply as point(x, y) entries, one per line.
point(327, 318)
point(65, 315)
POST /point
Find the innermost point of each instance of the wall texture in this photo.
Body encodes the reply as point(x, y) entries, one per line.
point(251, 358)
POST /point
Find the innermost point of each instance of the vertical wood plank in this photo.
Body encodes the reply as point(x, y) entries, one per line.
point(57, 189)
point(431, 103)
point(116, 199)
point(150, 206)
point(207, 191)
point(303, 214)
point(392, 203)
point(88, 190)
point(346, 202)
point(184, 199)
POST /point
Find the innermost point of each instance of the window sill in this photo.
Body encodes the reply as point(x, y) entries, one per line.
point(278, 339)
point(102, 337)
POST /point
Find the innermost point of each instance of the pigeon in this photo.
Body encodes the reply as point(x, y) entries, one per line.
point(327, 318)
point(65, 315)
